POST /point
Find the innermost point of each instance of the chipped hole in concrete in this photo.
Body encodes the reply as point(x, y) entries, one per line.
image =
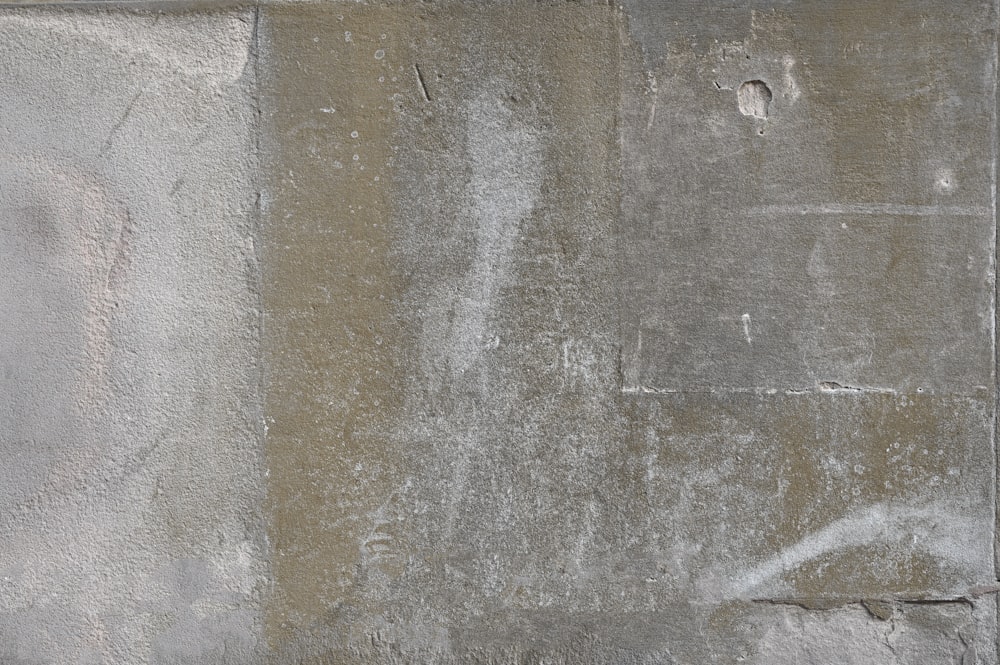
point(753, 98)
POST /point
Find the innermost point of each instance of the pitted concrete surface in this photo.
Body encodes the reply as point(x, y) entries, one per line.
point(481, 332)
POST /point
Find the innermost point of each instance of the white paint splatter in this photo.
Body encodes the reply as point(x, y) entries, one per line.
point(653, 90)
point(944, 181)
point(792, 91)
point(950, 535)
point(505, 156)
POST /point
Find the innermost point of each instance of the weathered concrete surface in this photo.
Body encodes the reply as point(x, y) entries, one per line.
point(450, 332)
point(564, 364)
point(835, 234)
point(440, 280)
point(915, 634)
point(809, 497)
point(131, 484)
point(846, 237)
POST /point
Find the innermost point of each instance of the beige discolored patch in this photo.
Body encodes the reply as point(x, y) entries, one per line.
point(435, 178)
point(331, 346)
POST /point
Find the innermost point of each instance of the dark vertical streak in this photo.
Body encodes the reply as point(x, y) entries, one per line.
point(423, 84)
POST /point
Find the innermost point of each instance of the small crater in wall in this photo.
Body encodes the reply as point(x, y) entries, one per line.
point(753, 98)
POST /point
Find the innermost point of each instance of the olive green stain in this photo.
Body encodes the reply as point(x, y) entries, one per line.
point(341, 324)
point(875, 571)
point(332, 345)
point(517, 410)
point(340, 337)
point(841, 453)
point(798, 463)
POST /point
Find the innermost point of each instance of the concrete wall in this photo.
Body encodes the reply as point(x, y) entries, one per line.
point(498, 332)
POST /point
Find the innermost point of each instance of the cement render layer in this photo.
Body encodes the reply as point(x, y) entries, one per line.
point(130, 499)
point(413, 332)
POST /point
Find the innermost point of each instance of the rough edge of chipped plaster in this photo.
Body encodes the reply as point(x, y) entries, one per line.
point(968, 641)
point(878, 605)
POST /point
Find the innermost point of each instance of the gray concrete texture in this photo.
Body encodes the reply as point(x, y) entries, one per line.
point(498, 332)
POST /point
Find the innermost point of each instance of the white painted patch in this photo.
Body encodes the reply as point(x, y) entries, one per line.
point(746, 328)
point(949, 535)
point(176, 50)
point(126, 217)
point(791, 91)
point(944, 181)
point(506, 163)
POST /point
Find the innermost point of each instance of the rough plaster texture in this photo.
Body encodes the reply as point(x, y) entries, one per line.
point(132, 483)
point(450, 332)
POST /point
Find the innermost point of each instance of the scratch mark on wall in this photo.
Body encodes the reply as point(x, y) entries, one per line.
point(872, 209)
point(791, 85)
point(655, 92)
point(423, 84)
point(120, 123)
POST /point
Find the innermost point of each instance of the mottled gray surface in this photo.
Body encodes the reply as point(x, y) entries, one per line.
point(848, 236)
point(451, 332)
point(131, 484)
